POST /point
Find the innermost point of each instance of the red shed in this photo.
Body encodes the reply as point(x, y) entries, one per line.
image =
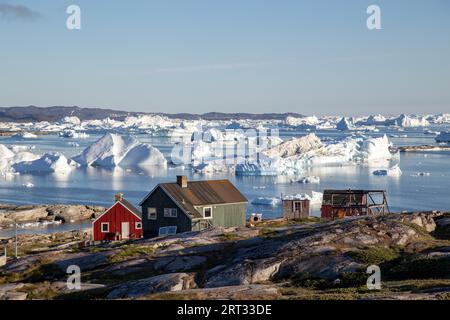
point(121, 221)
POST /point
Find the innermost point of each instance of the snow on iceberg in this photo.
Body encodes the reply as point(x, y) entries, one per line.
point(115, 150)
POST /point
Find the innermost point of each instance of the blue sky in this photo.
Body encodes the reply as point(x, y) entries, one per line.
point(311, 57)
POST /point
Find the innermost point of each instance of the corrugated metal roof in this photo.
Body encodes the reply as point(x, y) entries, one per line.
point(201, 193)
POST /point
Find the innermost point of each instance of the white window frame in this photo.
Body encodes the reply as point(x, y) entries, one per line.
point(104, 224)
point(211, 212)
point(165, 231)
point(149, 214)
point(138, 225)
point(170, 212)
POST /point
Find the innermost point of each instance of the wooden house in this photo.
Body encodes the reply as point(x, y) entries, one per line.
point(345, 203)
point(184, 206)
point(295, 208)
point(121, 221)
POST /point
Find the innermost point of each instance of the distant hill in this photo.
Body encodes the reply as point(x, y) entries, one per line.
point(35, 114)
point(228, 116)
point(32, 113)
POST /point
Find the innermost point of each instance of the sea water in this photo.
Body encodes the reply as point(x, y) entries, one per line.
point(97, 186)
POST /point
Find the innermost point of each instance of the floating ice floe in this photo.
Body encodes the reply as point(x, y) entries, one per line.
point(24, 135)
point(115, 150)
point(306, 180)
point(393, 171)
point(73, 134)
point(421, 174)
point(267, 201)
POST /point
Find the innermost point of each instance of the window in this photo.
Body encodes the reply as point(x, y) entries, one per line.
point(151, 213)
point(297, 206)
point(105, 227)
point(138, 225)
point(170, 212)
point(207, 213)
point(165, 231)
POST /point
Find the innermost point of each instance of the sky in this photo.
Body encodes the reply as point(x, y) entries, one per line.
point(310, 57)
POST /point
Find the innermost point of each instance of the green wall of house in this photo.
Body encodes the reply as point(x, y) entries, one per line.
point(229, 215)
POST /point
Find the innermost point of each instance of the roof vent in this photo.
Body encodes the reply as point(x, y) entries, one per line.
point(118, 197)
point(182, 181)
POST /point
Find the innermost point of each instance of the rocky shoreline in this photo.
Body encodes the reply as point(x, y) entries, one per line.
point(308, 259)
point(22, 214)
point(424, 148)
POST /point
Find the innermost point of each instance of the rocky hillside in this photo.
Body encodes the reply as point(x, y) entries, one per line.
point(309, 259)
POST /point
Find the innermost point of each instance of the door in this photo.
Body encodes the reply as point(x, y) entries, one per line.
point(125, 230)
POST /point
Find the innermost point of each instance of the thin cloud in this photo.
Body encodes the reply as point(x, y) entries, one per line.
point(212, 67)
point(17, 12)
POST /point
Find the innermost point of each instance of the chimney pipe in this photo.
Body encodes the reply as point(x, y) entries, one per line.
point(118, 197)
point(182, 181)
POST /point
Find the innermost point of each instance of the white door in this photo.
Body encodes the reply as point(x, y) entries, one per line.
point(125, 230)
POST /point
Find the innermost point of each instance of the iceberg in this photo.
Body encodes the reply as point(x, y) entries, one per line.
point(443, 137)
point(48, 163)
point(295, 146)
point(24, 135)
point(71, 120)
point(409, 121)
point(393, 171)
point(73, 134)
point(376, 149)
point(257, 168)
point(344, 125)
point(115, 150)
point(267, 201)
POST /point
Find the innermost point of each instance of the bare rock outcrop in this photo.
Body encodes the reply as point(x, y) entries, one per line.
point(156, 284)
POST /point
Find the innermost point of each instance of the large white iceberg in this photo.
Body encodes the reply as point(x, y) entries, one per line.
point(115, 150)
point(48, 163)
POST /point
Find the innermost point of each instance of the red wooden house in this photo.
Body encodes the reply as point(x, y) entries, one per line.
point(121, 221)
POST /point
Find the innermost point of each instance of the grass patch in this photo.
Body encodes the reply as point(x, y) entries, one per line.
point(418, 268)
point(375, 255)
point(130, 251)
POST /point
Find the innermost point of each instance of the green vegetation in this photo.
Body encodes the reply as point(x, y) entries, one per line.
point(375, 255)
point(130, 251)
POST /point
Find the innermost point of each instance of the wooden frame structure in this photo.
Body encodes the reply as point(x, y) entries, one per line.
point(345, 203)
